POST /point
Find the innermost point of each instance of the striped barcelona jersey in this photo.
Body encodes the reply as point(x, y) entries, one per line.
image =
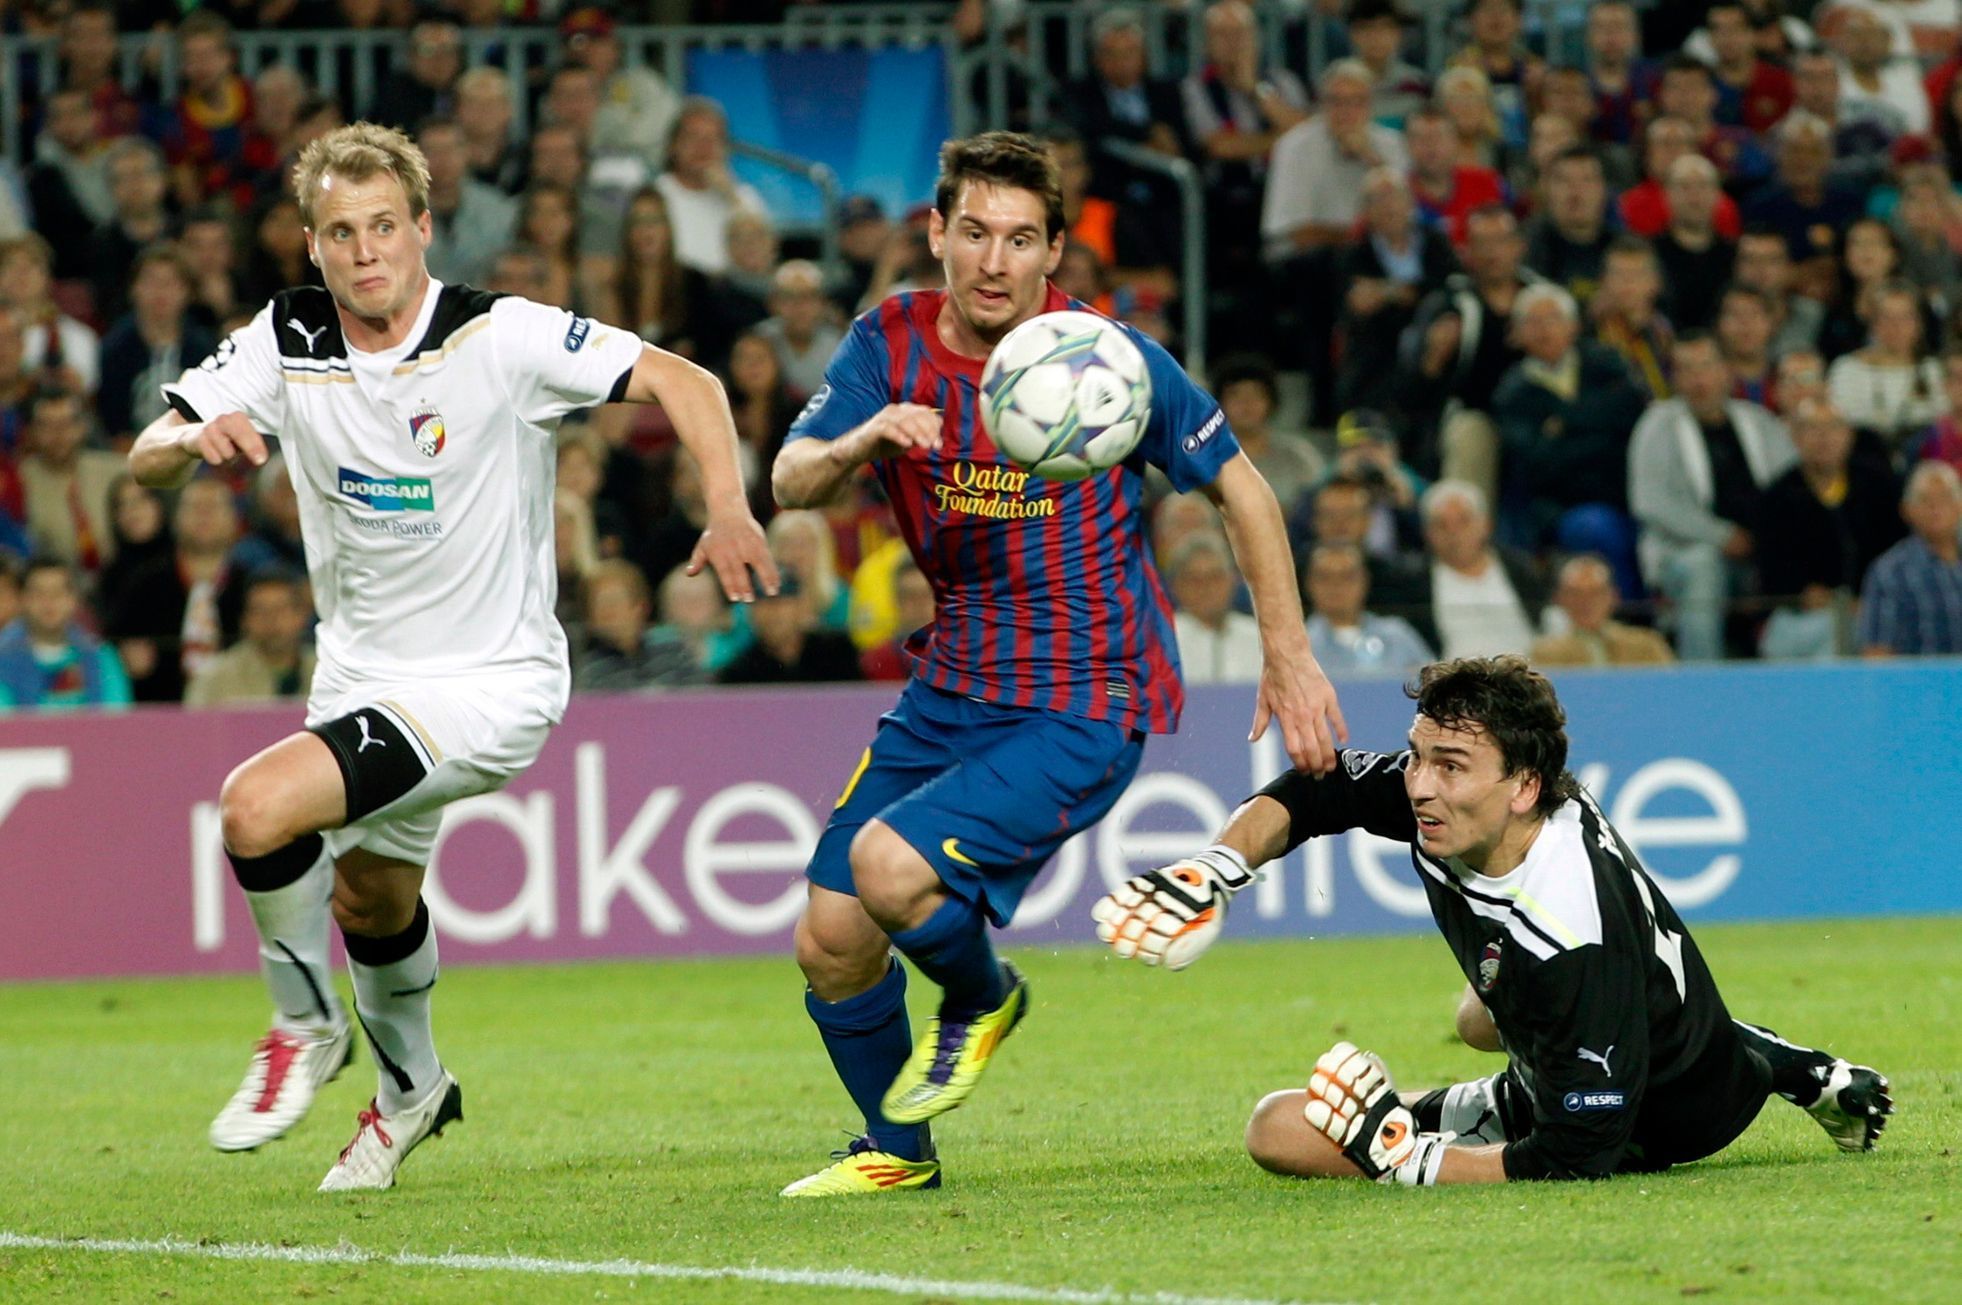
point(1045, 593)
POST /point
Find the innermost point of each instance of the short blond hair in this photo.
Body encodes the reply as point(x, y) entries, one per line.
point(359, 152)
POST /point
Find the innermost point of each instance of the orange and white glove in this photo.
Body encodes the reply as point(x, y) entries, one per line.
point(1170, 915)
point(1352, 1101)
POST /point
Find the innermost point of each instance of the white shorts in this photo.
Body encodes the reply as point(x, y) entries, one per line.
point(472, 736)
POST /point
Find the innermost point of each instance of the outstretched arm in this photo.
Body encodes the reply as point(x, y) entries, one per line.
point(171, 447)
point(733, 543)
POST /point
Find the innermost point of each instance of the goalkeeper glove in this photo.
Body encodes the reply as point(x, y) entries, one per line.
point(1352, 1101)
point(1172, 914)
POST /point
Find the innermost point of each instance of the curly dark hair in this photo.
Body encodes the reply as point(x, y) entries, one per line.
point(1002, 158)
point(1513, 703)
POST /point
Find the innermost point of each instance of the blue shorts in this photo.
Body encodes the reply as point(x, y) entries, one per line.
point(985, 793)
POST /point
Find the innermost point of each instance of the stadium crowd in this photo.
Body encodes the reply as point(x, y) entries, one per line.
point(1625, 360)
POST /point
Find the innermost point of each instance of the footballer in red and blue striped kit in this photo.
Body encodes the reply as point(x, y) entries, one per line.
point(1049, 661)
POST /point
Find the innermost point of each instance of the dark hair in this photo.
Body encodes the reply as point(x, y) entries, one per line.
point(1004, 158)
point(275, 573)
point(164, 253)
point(1578, 154)
point(1245, 367)
point(1751, 292)
point(49, 562)
point(1513, 703)
point(1627, 244)
point(631, 276)
point(1689, 63)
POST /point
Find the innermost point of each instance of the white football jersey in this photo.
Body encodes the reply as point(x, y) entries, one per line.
point(425, 473)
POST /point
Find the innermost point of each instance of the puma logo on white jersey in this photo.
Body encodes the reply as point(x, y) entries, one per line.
point(1598, 1057)
point(367, 738)
point(311, 336)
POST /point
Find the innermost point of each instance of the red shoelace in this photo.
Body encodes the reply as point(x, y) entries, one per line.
point(367, 1119)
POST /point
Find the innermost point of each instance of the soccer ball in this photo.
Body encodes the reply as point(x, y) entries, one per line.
point(1066, 395)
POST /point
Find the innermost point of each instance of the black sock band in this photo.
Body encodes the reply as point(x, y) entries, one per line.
point(278, 868)
point(374, 952)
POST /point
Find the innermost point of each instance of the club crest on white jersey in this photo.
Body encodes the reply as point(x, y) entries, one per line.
point(426, 429)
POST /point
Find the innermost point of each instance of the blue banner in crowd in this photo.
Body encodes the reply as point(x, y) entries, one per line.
point(876, 117)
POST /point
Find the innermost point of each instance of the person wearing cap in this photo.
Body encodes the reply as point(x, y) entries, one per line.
point(637, 108)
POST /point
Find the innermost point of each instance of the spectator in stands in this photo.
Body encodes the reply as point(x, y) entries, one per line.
point(68, 185)
point(621, 650)
point(65, 484)
point(1447, 190)
point(764, 407)
point(87, 52)
point(1926, 225)
point(1249, 394)
point(426, 86)
point(11, 567)
point(140, 528)
point(1821, 525)
point(47, 659)
point(1942, 441)
point(1568, 242)
point(1217, 645)
point(271, 661)
point(650, 291)
point(1315, 183)
point(1698, 466)
point(741, 296)
point(1498, 50)
point(1870, 76)
point(800, 326)
point(1801, 203)
point(863, 226)
point(181, 609)
point(521, 270)
point(913, 606)
point(278, 257)
point(700, 189)
point(18, 382)
point(1752, 92)
point(1464, 95)
point(217, 285)
point(151, 346)
point(58, 351)
point(1625, 315)
point(1367, 451)
point(802, 543)
point(788, 647)
point(316, 116)
point(637, 108)
point(1644, 207)
point(693, 609)
point(1480, 600)
point(1565, 413)
point(572, 99)
point(1375, 29)
point(1624, 83)
point(483, 115)
point(582, 464)
point(1695, 258)
point(470, 221)
point(1350, 639)
point(1801, 376)
point(1912, 602)
point(1689, 92)
point(1871, 261)
point(1463, 348)
point(1586, 594)
point(548, 221)
point(272, 539)
point(206, 136)
point(139, 190)
point(1122, 101)
point(1568, 93)
point(1548, 136)
point(1764, 264)
point(1235, 110)
point(1381, 278)
point(280, 94)
point(575, 546)
point(1891, 390)
point(1744, 326)
point(1858, 135)
point(558, 158)
point(669, 541)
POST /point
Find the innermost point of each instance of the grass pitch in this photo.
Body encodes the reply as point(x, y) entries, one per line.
point(650, 1112)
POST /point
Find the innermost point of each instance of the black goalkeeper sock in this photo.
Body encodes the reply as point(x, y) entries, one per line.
point(1797, 1073)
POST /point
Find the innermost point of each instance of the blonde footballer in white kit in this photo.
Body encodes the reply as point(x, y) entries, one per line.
point(417, 420)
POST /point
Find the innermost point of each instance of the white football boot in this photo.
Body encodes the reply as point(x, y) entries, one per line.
point(287, 1069)
point(382, 1142)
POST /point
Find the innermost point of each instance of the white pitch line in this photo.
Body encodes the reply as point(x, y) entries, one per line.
point(850, 1279)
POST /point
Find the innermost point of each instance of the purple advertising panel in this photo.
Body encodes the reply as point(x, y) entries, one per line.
point(678, 825)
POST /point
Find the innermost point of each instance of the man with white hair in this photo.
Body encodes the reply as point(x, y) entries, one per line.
point(1380, 280)
point(1565, 412)
point(1484, 600)
point(1912, 603)
point(1694, 256)
point(1698, 465)
point(1217, 645)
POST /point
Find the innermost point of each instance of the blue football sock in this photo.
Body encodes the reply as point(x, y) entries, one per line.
point(952, 949)
point(868, 1038)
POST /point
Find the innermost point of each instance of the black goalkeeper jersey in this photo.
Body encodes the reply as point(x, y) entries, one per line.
point(1610, 1017)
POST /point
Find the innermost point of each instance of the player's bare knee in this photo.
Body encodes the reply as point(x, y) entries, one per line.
point(249, 815)
point(893, 882)
point(837, 962)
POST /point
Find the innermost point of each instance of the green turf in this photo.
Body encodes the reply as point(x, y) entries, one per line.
point(651, 1112)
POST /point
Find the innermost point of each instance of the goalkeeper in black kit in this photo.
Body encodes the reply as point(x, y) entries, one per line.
point(1621, 1057)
